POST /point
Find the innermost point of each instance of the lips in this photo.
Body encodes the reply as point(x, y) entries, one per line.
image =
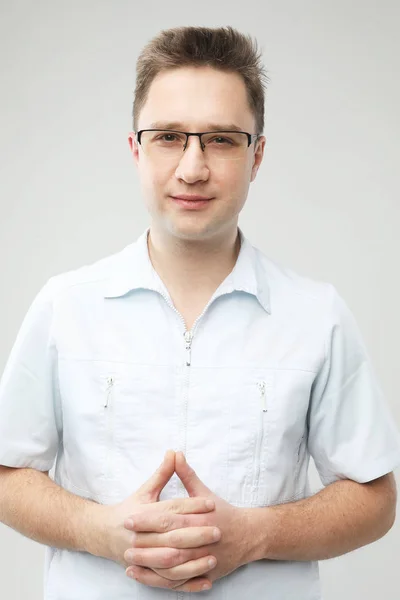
point(191, 197)
point(191, 202)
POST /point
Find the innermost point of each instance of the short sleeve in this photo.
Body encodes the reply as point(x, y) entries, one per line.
point(352, 434)
point(30, 417)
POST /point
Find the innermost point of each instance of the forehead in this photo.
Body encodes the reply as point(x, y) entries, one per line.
point(195, 96)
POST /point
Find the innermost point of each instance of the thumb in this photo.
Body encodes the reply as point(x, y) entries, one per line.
point(194, 486)
point(150, 491)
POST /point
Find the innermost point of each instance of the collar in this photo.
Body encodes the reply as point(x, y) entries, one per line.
point(134, 271)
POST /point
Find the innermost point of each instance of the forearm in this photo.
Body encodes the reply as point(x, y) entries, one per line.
point(31, 503)
point(340, 518)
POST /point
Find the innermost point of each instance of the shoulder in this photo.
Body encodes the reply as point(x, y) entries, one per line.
point(291, 291)
point(85, 280)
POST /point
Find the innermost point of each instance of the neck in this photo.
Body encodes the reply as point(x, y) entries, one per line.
point(193, 266)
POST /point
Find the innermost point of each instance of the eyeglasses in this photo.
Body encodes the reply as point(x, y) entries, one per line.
point(216, 145)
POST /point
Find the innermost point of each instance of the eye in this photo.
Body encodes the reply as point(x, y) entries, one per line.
point(220, 141)
point(168, 137)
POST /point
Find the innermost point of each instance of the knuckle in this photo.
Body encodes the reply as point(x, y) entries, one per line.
point(174, 507)
point(168, 560)
point(165, 522)
point(181, 556)
point(174, 538)
point(186, 521)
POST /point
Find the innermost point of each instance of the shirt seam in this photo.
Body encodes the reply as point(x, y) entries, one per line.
point(234, 366)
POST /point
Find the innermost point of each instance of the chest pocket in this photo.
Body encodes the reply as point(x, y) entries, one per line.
point(281, 454)
point(118, 423)
point(253, 431)
point(228, 429)
point(251, 417)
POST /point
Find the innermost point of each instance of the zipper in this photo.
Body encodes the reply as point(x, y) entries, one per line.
point(188, 341)
point(110, 385)
point(188, 335)
point(110, 381)
point(261, 387)
point(188, 338)
point(260, 437)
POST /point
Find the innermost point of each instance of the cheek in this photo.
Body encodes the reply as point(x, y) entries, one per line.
point(233, 177)
point(153, 181)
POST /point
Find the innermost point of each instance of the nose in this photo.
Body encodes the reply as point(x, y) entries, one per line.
point(192, 166)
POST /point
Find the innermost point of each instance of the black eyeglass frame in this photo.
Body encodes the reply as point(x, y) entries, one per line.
point(250, 136)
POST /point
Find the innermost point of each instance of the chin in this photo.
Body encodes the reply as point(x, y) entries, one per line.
point(194, 231)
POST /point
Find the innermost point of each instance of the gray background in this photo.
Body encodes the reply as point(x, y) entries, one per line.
point(325, 201)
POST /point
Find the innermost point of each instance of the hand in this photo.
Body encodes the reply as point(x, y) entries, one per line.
point(231, 552)
point(115, 517)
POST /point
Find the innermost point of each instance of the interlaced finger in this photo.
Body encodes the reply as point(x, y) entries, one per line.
point(190, 537)
point(192, 568)
point(163, 558)
point(185, 506)
point(152, 579)
point(150, 521)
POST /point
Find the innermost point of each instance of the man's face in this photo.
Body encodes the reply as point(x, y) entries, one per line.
point(195, 100)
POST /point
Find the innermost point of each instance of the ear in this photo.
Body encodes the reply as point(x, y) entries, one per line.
point(134, 146)
point(258, 156)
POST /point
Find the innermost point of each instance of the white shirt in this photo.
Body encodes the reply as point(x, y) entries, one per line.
point(102, 380)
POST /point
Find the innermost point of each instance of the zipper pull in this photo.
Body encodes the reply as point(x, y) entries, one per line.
point(110, 383)
point(188, 339)
point(261, 387)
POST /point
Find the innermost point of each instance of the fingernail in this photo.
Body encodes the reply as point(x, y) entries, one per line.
point(212, 562)
point(129, 523)
point(216, 534)
point(129, 555)
point(210, 504)
point(206, 586)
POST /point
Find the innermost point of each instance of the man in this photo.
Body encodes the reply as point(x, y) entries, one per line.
point(192, 339)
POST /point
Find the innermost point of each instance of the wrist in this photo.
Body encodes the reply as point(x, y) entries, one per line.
point(94, 530)
point(255, 533)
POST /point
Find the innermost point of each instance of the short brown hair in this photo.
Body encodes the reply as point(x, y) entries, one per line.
point(222, 48)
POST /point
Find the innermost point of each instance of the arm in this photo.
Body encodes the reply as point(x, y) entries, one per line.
point(31, 503)
point(34, 505)
point(340, 518)
point(30, 433)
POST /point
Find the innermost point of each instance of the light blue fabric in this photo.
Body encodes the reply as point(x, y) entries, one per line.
point(276, 371)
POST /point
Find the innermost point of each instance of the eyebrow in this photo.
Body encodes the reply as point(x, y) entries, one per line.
point(175, 125)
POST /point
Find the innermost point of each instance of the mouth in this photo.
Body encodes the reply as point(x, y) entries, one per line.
point(191, 201)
